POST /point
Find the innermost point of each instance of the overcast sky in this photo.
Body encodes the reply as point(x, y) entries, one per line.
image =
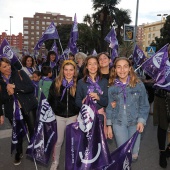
point(147, 12)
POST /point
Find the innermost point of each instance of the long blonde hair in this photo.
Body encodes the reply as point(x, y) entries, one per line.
point(58, 80)
point(113, 75)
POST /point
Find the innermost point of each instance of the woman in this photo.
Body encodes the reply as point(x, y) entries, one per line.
point(51, 61)
point(128, 105)
point(94, 85)
point(28, 65)
point(62, 100)
point(79, 59)
point(104, 62)
point(17, 95)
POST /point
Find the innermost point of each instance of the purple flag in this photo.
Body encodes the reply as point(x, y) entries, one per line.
point(163, 80)
point(6, 51)
point(94, 52)
point(50, 33)
point(45, 136)
point(122, 156)
point(111, 38)
point(155, 64)
point(138, 56)
point(114, 54)
point(72, 45)
point(86, 145)
point(54, 48)
point(18, 127)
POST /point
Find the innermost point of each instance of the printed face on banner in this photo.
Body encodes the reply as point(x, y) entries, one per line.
point(50, 30)
point(85, 118)
point(46, 114)
point(7, 50)
point(157, 59)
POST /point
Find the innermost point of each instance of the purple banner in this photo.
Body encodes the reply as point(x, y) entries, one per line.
point(50, 33)
point(6, 51)
point(86, 145)
point(45, 136)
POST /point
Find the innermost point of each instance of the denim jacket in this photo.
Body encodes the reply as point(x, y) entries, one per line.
point(136, 104)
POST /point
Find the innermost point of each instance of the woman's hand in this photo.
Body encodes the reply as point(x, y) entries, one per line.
point(109, 132)
point(10, 89)
point(113, 104)
point(94, 96)
point(83, 100)
point(140, 127)
point(1, 120)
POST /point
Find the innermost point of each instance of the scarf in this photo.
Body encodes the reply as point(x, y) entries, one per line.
point(52, 64)
point(36, 87)
point(30, 69)
point(118, 83)
point(66, 85)
point(45, 79)
point(93, 86)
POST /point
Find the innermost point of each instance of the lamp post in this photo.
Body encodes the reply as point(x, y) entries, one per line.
point(6, 33)
point(10, 27)
point(162, 15)
point(136, 22)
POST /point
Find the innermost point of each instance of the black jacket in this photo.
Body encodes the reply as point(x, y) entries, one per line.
point(64, 108)
point(24, 92)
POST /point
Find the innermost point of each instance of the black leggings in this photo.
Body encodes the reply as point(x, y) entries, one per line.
point(29, 119)
point(161, 135)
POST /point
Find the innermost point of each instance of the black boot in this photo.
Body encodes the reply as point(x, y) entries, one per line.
point(168, 151)
point(162, 159)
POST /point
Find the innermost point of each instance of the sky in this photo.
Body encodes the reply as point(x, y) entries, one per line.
point(147, 10)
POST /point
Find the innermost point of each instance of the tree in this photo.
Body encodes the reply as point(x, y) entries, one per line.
point(126, 49)
point(165, 35)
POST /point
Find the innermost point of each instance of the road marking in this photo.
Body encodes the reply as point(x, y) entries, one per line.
point(5, 133)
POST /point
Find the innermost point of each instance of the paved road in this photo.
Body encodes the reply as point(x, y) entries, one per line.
point(148, 158)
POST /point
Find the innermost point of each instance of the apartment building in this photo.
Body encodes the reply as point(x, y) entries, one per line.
point(33, 28)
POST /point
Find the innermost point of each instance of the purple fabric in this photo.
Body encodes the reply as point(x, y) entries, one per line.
point(52, 64)
point(138, 56)
point(66, 85)
point(122, 156)
point(54, 48)
point(118, 83)
point(86, 145)
point(50, 33)
point(72, 45)
point(18, 127)
point(155, 64)
point(45, 79)
point(35, 87)
point(93, 86)
point(45, 133)
point(94, 53)
point(163, 80)
point(30, 69)
point(6, 51)
point(114, 54)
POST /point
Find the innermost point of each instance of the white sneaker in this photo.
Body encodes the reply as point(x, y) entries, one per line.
point(54, 166)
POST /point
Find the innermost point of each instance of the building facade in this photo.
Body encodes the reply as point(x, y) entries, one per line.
point(33, 28)
point(15, 41)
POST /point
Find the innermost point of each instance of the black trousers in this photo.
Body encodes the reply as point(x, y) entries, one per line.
point(29, 120)
point(161, 135)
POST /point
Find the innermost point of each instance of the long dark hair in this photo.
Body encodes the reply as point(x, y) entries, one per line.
point(86, 72)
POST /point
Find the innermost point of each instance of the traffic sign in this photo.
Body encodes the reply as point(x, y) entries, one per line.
point(151, 50)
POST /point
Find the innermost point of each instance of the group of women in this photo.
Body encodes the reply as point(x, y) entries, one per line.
point(110, 89)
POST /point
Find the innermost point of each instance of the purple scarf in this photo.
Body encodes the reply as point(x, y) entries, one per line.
point(118, 83)
point(52, 64)
point(93, 86)
point(35, 87)
point(45, 79)
point(30, 69)
point(66, 85)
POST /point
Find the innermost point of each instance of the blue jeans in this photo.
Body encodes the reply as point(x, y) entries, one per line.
point(124, 132)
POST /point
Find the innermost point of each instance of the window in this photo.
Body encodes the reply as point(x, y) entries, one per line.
point(32, 27)
point(148, 42)
point(32, 22)
point(43, 23)
point(37, 33)
point(149, 35)
point(153, 35)
point(37, 22)
point(37, 27)
point(149, 29)
point(25, 27)
point(153, 28)
point(25, 32)
point(61, 19)
point(25, 21)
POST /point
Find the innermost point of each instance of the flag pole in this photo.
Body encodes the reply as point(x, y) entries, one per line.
point(33, 156)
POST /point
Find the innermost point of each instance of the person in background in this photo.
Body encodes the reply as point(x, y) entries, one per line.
point(104, 62)
point(1, 111)
point(95, 86)
point(71, 56)
point(51, 62)
point(62, 100)
point(128, 105)
point(17, 94)
point(45, 82)
point(79, 59)
point(28, 65)
point(36, 76)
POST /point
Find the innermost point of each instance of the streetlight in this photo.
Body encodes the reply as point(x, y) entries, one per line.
point(10, 27)
point(5, 32)
point(162, 15)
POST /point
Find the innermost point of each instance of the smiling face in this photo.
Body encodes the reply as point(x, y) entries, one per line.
point(68, 72)
point(29, 62)
point(5, 68)
point(122, 69)
point(104, 61)
point(92, 66)
point(52, 57)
